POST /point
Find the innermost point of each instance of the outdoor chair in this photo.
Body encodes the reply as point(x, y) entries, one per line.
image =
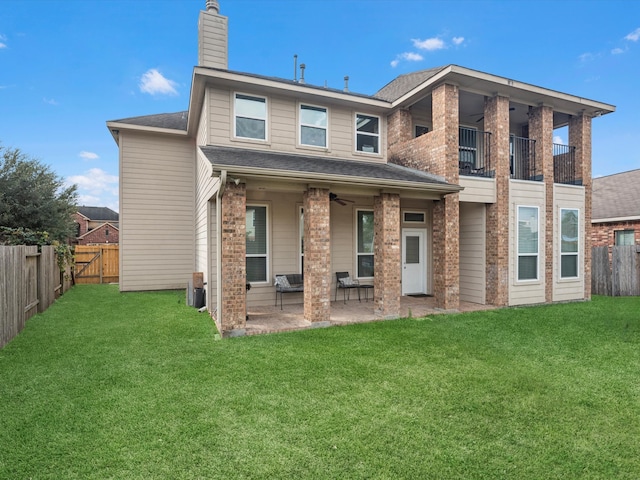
point(345, 282)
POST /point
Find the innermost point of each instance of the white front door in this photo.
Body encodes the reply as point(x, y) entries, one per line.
point(414, 264)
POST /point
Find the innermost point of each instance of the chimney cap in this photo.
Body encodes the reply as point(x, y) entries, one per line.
point(213, 5)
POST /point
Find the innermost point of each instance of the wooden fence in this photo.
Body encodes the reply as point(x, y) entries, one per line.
point(97, 264)
point(617, 275)
point(29, 283)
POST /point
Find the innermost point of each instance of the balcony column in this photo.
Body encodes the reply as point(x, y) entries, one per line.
point(317, 255)
point(541, 130)
point(232, 314)
point(496, 121)
point(386, 249)
point(399, 130)
point(580, 137)
point(446, 212)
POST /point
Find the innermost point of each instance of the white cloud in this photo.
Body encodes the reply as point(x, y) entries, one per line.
point(154, 83)
point(633, 36)
point(406, 56)
point(96, 183)
point(558, 139)
point(617, 51)
point(50, 101)
point(88, 155)
point(430, 44)
point(457, 40)
point(3, 45)
point(586, 57)
point(3, 39)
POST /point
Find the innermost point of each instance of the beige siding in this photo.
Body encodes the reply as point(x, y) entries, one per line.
point(156, 177)
point(530, 194)
point(206, 186)
point(282, 126)
point(472, 252)
point(203, 126)
point(212, 39)
point(477, 189)
point(567, 196)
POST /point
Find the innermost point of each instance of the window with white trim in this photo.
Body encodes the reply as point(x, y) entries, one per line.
point(528, 242)
point(569, 242)
point(250, 117)
point(364, 240)
point(301, 237)
point(625, 237)
point(257, 243)
point(367, 133)
point(313, 126)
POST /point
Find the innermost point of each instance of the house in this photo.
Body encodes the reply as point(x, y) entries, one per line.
point(96, 225)
point(616, 209)
point(445, 182)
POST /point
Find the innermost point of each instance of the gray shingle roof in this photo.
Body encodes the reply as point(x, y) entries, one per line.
point(228, 158)
point(104, 214)
point(174, 121)
point(616, 196)
point(397, 87)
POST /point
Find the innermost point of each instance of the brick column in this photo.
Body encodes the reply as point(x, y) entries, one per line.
point(232, 313)
point(541, 130)
point(446, 212)
point(496, 121)
point(386, 249)
point(580, 137)
point(399, 129)
point(317, 256)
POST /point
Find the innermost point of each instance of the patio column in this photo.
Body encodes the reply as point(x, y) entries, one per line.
point(580, 137)
point(386, 250)
point(496, 120)
point(317, 256)
point(541, 130)
point(232, 313)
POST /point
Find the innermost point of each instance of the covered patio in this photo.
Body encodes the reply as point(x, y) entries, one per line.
point(271, 319)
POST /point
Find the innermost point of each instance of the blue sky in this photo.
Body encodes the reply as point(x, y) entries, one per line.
point(68, 66)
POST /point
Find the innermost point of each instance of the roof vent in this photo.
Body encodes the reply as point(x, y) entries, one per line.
point(212, 5)
point(302, 67)
point(346, 83)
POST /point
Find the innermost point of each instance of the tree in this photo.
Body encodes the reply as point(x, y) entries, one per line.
point(33, 197)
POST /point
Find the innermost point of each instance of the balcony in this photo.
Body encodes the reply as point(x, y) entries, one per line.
point(474, 153)
point(564, 165)
point(522, 159)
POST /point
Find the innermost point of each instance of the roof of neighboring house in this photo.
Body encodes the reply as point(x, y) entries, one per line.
point(616, 197)
point(310, 168)
point(173, 121)
point(405, 83)
point(104, 214)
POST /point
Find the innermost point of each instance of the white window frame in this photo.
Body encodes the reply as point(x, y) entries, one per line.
point(570, 254)
point(301, 125)
point(518, 254)
point(414, 222)
point(267, 243)
point(356, 273)
point(377, 136)
point(300, 210)
point(265, 119)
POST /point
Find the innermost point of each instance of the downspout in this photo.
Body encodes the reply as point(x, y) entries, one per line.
point(221, 189)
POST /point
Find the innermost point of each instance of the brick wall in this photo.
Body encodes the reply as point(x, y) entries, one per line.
point(232, 313)
point(603, 234)
point(105, 233)
point(386, 248)
point(317, 255)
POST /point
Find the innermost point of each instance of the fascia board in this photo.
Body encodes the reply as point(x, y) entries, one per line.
point(127, 126)
point(615, 219)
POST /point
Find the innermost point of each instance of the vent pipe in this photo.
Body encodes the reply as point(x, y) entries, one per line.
point(212, 5)
point(302, 67)
point(295, 68)
point(346, 83)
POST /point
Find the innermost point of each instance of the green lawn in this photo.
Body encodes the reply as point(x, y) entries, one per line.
point(109, 385)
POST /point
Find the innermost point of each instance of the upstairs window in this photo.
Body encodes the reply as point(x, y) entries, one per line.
point(367, 133)
point(528, 232)
point(569, 236)
point(625, 237)
point(250, 117)
point(313, 126)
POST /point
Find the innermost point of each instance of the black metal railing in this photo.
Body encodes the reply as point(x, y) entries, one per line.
point(522, 159)
point(564, 165)
point(474, 153)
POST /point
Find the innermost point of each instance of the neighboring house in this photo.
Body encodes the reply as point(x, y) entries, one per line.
point(616, 209)
point(445, 182)
point(96, 225)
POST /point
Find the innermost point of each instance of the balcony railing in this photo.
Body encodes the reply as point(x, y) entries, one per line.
point(474, 153)
point(522, 159)
point(564, 165)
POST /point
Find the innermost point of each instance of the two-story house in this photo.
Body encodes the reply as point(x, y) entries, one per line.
point(445, 182)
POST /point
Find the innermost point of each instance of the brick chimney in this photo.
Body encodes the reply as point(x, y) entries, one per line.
point(212, 37)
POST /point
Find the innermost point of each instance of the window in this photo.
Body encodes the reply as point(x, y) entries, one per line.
point(527, 243)
point(257, 247)
point(413, 217)
point(367, 133)
point(313, 126)
point(365, 243)
point(421, 130)
point(625, 237)
point(251, 117)
point(569, 236)
point(301, 237)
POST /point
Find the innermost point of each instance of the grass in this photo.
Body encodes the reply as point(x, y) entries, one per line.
point(109, 385)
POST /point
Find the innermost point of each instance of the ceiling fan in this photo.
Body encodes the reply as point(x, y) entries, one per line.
point(511, 109)
point(340, 201)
